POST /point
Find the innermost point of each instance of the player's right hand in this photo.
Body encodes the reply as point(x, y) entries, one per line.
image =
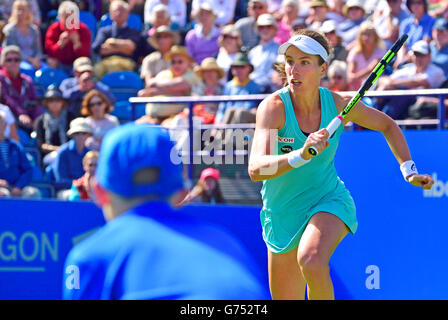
point(318, 140)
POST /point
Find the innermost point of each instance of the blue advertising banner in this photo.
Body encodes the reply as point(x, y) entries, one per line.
point(399, 251)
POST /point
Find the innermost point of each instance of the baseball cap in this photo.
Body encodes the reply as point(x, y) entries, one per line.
point(421, 47)
point(209, 173)
point(266, 19)
point(127, 151)
point(82, 64)
point(441, 24)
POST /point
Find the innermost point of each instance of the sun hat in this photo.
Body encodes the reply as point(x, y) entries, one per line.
point(420, 47)
point(79, 125)
point(163, 29)
point(209, 64)
point(352, 4)
point(318, 3)
point(130, 149)
point(241, 59)
point(178, 50)
point(209, 173)
point(82, 64)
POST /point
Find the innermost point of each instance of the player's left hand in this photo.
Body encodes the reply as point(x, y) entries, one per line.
point(421, 180)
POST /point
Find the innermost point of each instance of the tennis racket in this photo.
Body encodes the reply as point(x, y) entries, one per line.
point(380, 67)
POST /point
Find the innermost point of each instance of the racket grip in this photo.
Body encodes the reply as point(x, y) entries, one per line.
point(331, 128)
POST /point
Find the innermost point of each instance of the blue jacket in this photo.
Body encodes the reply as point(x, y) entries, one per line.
point(155, 252)
point(19, 172)
point(68, 164)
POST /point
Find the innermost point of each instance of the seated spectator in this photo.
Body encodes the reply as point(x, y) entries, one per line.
point(206, 190)
point(178, 80)
point(67, 39)
point(86, 82)
point(21, 31)
point(336, 11)
point(67, 165)
point(241, 84)
point(355, 15)
point(160, 16)
point(418, 26)
point(177, 10)
point(318, 14)
point(15, 169)
point(51, 127)
point(439, 45)
point(162, 40)
point(210, 74)
point(337, 76)
point(97, 108)
point(364, 57)
point(81, 65)
point(6, 8)
point(82, 188)
point(116, 44)
point(290, 10)
point(17, 89)
point(224, 10)
point(263, 56)
point(330, 29)
point(278, 79)
point(230, 44)
point(248, 25)
point(387, 20)
point(11, 126)
point(202, 40)
point(420, 74)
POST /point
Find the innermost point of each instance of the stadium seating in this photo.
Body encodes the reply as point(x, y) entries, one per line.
point(89, 20)
point(134, 21)
point(46, 77)
point(123, 85)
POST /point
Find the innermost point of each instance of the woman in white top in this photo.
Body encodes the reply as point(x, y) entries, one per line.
point(97, 108)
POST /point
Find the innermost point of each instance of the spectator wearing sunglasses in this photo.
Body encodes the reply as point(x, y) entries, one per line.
point(17, 89)
point(97, 107)
point(82, 188)
point(178, 80)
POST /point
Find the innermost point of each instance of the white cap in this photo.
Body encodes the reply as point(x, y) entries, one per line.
point(329, 26)
point(305, 44)
point(421, 47)
point(266, 19)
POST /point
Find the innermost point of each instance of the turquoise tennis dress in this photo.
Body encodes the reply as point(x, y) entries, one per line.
point(290, 200)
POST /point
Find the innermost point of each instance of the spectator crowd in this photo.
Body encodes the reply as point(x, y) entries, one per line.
point(52, 130)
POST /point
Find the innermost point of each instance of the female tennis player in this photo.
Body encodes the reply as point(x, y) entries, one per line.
point(307, 210)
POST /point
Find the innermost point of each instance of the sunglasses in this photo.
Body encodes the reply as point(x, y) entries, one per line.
point(94, 104)
point(416, 2)
point(228, 36)
point(339, 77)
point(12, 60)
point(255, 7)
point(160, 36)
point(177, 61)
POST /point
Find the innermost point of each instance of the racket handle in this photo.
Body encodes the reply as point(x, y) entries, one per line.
point(331, 128)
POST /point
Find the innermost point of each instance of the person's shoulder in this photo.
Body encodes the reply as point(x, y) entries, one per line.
point(272, 106)
point(8, 28)
point(245, 21)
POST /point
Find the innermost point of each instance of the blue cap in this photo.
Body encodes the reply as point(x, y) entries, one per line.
point(129, 149)
point(441, 24)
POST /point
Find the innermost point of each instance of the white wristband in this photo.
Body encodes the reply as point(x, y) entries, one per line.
point(408, 168)
point(295, 159)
